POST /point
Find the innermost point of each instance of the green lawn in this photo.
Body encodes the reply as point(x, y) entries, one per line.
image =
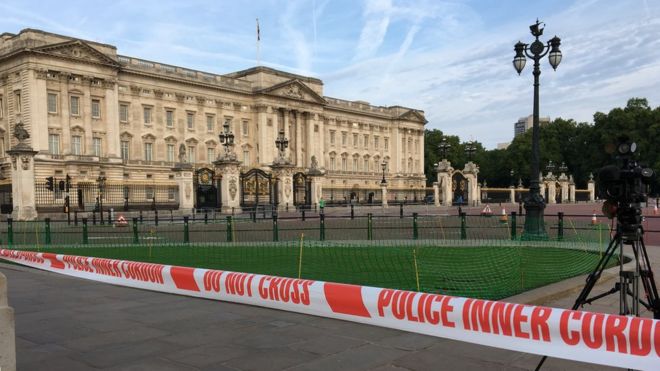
point(489, 272)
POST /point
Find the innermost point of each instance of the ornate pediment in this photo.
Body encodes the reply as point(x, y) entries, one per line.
point(413, 115)
point(294, 89)
point(79, 50)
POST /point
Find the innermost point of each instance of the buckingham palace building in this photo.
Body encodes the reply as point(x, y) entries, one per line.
point(82, 125)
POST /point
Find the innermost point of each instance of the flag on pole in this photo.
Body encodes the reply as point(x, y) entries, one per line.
point(258, 32)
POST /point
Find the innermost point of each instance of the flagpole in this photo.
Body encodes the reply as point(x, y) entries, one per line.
point(258, 44)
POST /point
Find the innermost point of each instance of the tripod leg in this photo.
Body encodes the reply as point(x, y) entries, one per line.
point(648, 281)
point(592, 279)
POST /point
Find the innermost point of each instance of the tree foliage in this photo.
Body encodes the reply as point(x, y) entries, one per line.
point(584, 148)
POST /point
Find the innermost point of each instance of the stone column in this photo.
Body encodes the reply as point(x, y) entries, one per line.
point(22, 181)
point(317, 189)
point(112, 119)
point(552, 192)
point(285, 114)
point(436, 194)
point(512, 194)
point(283, 174)
point(571, 189)
point(183, 173)
point(542, 187)
point(299, 139)
point(444, 171)
point(7, 330)
point(471, 172)
point(383, 195)
point(310, 146)
point(230, 183)
point(591, 187)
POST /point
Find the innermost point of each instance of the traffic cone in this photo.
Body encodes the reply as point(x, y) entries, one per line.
point(594, 220)
point(504, 218)
point(655, 210)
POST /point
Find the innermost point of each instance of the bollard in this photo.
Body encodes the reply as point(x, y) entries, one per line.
point(254, 216)
point(401, 211)
point(560, 226)
point(7, 330)
point(206, 217)
point(352, 212)
point(141, 217)
point(75, 218)
point(93, 217)
point(186, 232)
point(156, 217)
point(47, 231)
point(322, 227)
point(136, 239)
point(415, 229)
point(463, 226)
point(370, 228)
point(10, 231)
point(230, 229)
point(85, 240)
point(110, 216)
point(513, 225)
point(276, 232)
point(171, 216)
point(303, 215)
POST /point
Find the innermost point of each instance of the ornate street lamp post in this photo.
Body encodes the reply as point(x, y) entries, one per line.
point(282, 143)
point(227, 138)
point(563, 168)
point(534, 203)
point(443, 147)
point(470, 149)
point(101, 182)
point(383, 166)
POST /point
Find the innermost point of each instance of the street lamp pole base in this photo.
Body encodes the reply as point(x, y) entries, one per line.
point(534, 224)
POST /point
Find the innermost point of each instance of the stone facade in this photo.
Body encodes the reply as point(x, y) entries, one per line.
point(91, 112)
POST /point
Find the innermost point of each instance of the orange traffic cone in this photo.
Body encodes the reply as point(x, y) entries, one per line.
point(121, 221)
point(504, 218)
point(594, 220)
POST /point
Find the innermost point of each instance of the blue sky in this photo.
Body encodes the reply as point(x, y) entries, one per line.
point(451, 59)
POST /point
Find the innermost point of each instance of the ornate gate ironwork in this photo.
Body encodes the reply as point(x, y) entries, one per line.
point(459, 187)
point(302, 190)
point(256, 188)
point(206, 193)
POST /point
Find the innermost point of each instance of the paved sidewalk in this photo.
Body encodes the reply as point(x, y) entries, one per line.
point(64, 323)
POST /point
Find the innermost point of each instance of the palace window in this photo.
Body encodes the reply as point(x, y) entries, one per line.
point(410, 145)
point(366, 164)
point(332, 137)
point(123, 112)
point(76, 145)
point(52, 103)
point(75, 105)
point(344, 139)
point(192, 155)
point(96, 146)
point(355, 140)
point(245, 128)
point(210, 123)
point(169, 118)
point(210, 154)
point(148, 151)
point(386, 144)
point(54, 144)
point(147, 115)
point(1, 107)
point(344, 163)
point(171, 193)
point(96, 108)
point(246, 158)
point(333, 165)
point(170, 152)
point(366, 141)
point(355, 164)
point(376, 142)
point(17, 101)
point(190, 120)
point(403, 144)
point(125, 145)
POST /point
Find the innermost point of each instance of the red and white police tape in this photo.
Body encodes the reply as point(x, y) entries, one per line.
point(606, 339)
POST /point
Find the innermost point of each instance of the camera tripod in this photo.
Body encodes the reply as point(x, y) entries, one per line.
point(628, 285)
